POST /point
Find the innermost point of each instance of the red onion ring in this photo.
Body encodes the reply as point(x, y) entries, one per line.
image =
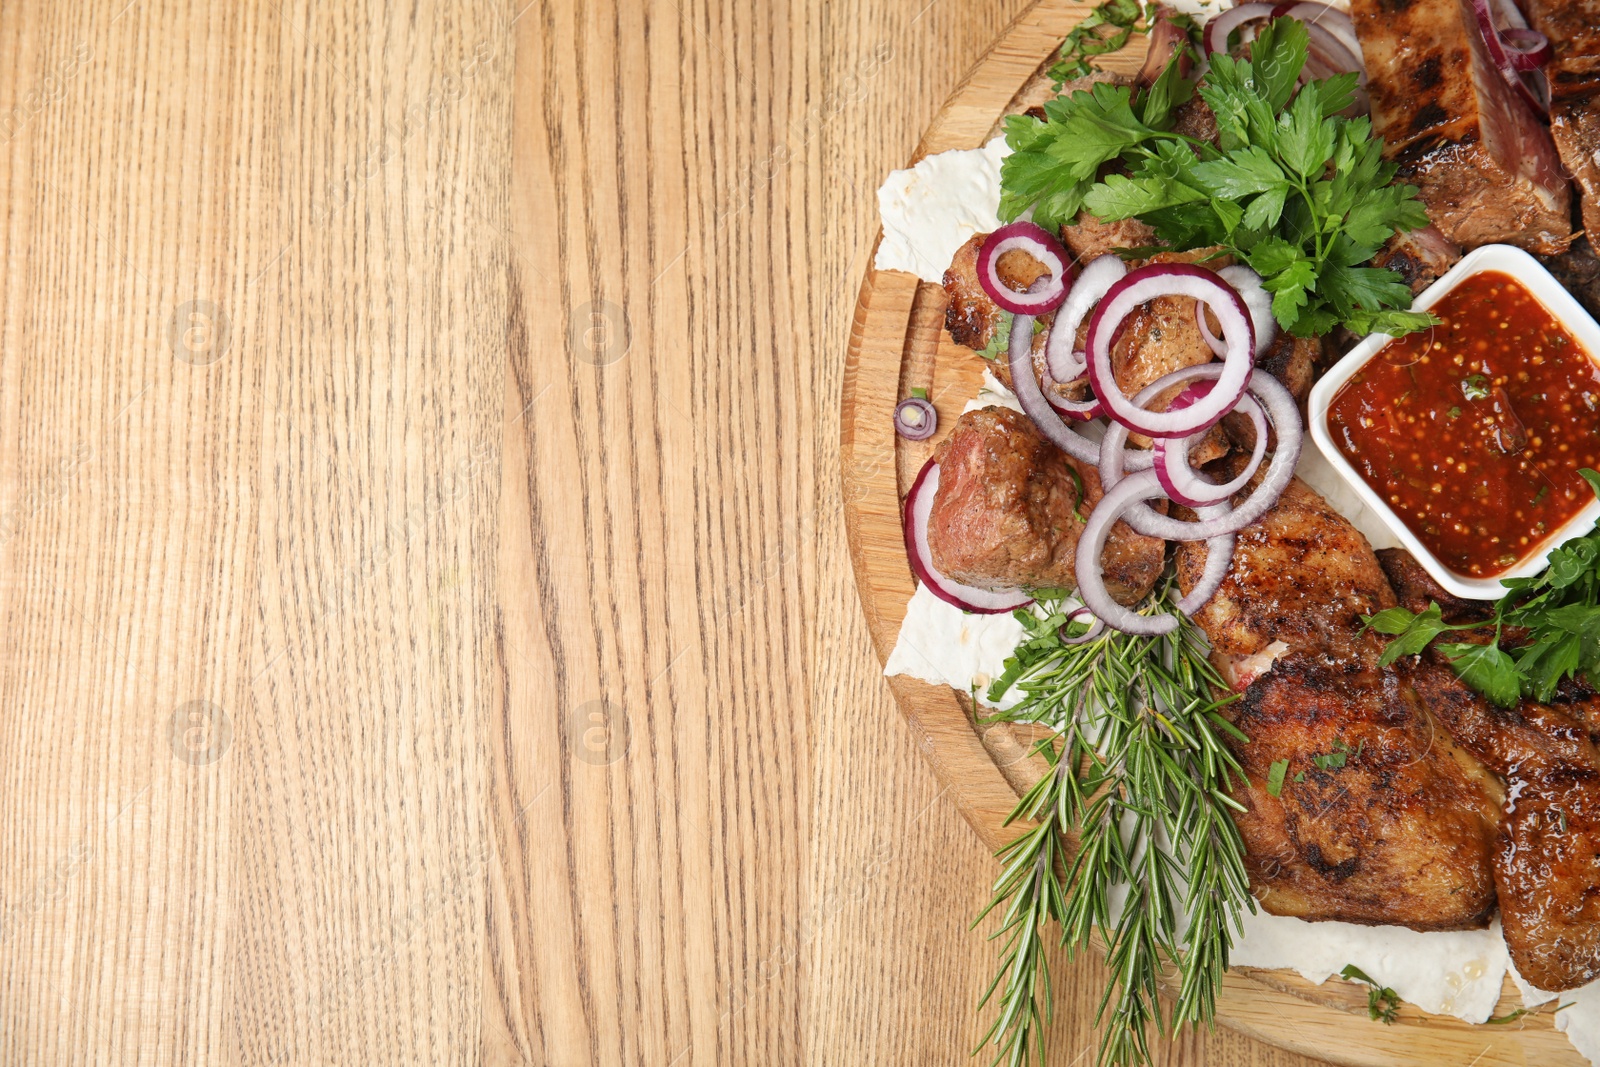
point(1528, 49)
point(1132, 490)
point(1326, 46)
point(915, 419)
point(1096, 628)
point(1215, 38)
point(1065, 363)
point(1148, 283)
point(1130, 493)
point(1026, 386)
point(1330, 19)
point(1189, 487)
point(1281, 411)
point(919, 505)
point(1247, 283)
point(1077, 410)
point(1038, 243)
point(1510, 60)
point(1219, 561)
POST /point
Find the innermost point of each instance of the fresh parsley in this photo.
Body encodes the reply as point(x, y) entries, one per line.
point(1275, 775)
point(1383, 1003)
point(1107, 29)
point(1294, 189)
point(1559, 609)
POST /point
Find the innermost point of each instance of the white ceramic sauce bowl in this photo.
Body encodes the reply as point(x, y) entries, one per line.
point(1562, 307)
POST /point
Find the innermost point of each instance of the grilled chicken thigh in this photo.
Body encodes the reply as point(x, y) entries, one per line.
point(1007, 512)
point(1379, 819)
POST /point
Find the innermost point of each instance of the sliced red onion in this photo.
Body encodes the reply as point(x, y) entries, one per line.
point(1133, 490)
point(1096, 628)
point(1215, 38)
point(1219, 561)
point(1060, 349)
point(919, 505)
point(1077, 410)
point(1330, 19)
point(1510, 60)
point(1038, 243)
point(1032, 399)
point(1189, 487)
point(1281, 411)
point(1145, 284)
point(1247, 283)
point(1325, 46)
point(1528, 49)
point(915, 419)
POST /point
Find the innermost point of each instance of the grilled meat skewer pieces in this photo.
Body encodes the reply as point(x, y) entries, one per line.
point(1007, 512)
point(1573, 27)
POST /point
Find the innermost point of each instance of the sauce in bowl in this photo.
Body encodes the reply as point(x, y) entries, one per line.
point(1474, 431)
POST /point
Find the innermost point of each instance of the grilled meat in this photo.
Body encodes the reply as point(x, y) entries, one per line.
point(1088, 238)
point(1007, 512)
point(1547, 850)
point(1578, 271)
point(1400, 832)
point(1415, 589)
point(1485, 165)
point(1418, 256)
point(1302, 576)
point(972, 318)
point(1573, 27)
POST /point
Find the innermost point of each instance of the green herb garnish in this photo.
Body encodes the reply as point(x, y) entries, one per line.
point(1335, 760)
point(1475, 387)
point(1107, 29)
point(1560, 607)
point(1137, 756)
point(1383, 1003)
point(1275, 775)
point(1300, 193)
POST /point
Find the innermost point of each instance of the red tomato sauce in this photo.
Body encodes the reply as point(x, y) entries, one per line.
point(1474, 431)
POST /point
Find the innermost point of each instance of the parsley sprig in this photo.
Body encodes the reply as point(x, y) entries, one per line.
point(1140, 775)
point(1559, 609)
point(1383, 1003)
point(1295, 189)
point(1107, 29)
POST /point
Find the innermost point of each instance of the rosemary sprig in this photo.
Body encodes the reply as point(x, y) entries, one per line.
point(1140, 775)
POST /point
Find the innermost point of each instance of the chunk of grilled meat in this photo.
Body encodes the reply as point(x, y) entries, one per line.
point(1400, 832)
point(1415, 589)
point(1485, 165)
point(1547, 852)
point(1418, 256)
point(1573, 27)
point(1578, 271)
point(1087, 238)
point(1302, 576)
point(972, 317)
point(1006, 513)
point(1162, 336)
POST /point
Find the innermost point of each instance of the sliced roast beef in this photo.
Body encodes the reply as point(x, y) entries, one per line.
point(1573, 27)
point(1011, 507)
point(1485, 165)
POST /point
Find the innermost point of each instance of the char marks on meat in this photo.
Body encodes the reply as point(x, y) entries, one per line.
point(1573, 27)
point(1418, 256)
point(1401, 832)
point(1006, 513)
point(1484, 163)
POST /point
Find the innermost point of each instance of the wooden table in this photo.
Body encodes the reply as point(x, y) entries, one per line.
point(429, 634)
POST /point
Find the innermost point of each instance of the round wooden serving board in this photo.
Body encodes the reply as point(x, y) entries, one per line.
point(897, 342)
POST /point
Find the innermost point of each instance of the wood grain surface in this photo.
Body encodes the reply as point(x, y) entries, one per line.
point(430, 634)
